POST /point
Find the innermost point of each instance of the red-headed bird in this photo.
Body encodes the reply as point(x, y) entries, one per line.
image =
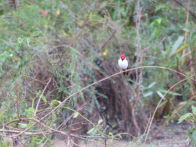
point(122, 62)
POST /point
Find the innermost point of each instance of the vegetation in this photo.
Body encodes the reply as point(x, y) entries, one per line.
point(59, 74)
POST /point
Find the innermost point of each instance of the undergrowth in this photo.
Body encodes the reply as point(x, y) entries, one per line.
point(51, 50)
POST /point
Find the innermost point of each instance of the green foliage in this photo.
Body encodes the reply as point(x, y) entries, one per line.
point(64, 43)
point(191, 117)
point(95, 130)
point(192, 135)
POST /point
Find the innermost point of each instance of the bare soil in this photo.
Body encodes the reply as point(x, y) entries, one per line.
point(174, 135)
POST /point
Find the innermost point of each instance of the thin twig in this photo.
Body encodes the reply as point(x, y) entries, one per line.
point(172, 116)
point(36, 122)
point(99, 81)
point(26, 133)
point(66, 121)
point(108, 77)
point(160, 104)
point(139, 50)
point(147, 125)
point(41, 96)
point(184, 51)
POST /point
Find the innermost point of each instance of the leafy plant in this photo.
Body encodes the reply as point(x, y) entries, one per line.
point(190, 117)
point(76, 43)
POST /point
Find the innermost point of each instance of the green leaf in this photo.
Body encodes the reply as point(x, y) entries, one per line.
point(159, 20)
point(152, 84)
point(110, 134)
point(163, 103)
point(149, 93)
point(177, 44)
point(54, 103)
point(170, 92)
point(76, 114)
point(160, 94)
point(21, 125)
point(180, 49)
point(44, 98)
point(29, 112)
point(194, 110)
point(91, 131)
point(100, 121)
point(183, 117)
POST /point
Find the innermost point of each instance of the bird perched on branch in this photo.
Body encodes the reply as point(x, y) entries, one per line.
point(122, 62)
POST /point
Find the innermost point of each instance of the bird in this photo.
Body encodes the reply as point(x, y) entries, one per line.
point(122, 62)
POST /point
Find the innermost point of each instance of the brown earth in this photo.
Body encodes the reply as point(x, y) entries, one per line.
point(174, 135)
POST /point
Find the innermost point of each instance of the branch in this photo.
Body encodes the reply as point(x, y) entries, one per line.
point(101, 80)
point(149, 126)
point(41, 96)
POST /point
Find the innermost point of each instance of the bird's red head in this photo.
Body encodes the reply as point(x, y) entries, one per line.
point(122, 57)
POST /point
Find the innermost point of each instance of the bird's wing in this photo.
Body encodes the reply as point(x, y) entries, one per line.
point(120, 63)
point(125, 64)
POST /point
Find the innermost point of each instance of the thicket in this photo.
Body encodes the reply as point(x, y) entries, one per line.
point(51, 50)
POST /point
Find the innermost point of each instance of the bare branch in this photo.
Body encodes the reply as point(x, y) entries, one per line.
point(41, 96)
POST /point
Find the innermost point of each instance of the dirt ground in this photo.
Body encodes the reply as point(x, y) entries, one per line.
point(174, 135)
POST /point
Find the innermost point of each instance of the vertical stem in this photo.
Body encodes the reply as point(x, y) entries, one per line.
point(187, 20)
point(139, 53)
point(184, 51)
point(139, 49)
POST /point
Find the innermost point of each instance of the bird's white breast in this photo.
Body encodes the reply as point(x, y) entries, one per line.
point(123, 64)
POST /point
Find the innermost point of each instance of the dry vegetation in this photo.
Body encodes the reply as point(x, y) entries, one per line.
point(59, 76)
